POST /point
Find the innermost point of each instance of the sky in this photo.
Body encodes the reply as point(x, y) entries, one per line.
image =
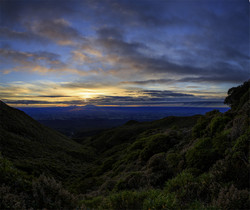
point(122, 52)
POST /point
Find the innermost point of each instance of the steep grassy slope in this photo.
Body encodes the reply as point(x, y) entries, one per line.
point(37, 149)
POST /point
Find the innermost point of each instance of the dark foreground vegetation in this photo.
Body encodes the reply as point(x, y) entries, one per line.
point(198, 162)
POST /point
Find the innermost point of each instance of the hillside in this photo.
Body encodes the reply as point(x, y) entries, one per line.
point(36, 149)
point(177, 162)
point(198, 162)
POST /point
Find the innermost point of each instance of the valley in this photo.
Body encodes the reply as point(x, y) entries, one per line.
point(198, 161)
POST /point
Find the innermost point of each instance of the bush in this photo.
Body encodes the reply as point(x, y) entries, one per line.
point(132, 156)
point(231, 198)
point(201, 155)
point(231, 170)
point(133, 180)
point(93, 203)
point(183, 186)
point(47, 193)
point(188, 188)
point(125, 200)
point(156, 144)
point(200, 127)
point(11, 200)
point(175, 161)
point(11, 176)
point(157, 170)
point(138, 144)
point(221, 142)
point(241, 147)
point(83, 184)
point(156, 199)
point(218, 123)
point(106, 165)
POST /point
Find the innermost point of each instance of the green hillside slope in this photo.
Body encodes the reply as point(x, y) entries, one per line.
point(37, 149)
point(198, 162)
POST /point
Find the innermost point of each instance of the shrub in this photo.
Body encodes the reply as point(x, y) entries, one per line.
point(156, 144)
point(133, 180)
point(47, 193)
point(131, 156)
point(178, 185)
point(106, 165)
point(107, 186)
point(241, 147)
point(201, 155)
point(231, 198)
point(218, 123)
point(239, 127)
point(232, 170)
point(11, 176)
point(175, 161)
point(158, 172)
point(221, 142)
point(156, 199)
point(221, 171)
point(11, 200)
point(200, 127)
point(84, 184)
point(93, 203)
point(189, 188)
point(125, 200)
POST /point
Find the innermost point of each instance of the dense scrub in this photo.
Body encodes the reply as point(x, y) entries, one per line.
point(198, 162)
point(199, 165)
point(21, 191)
